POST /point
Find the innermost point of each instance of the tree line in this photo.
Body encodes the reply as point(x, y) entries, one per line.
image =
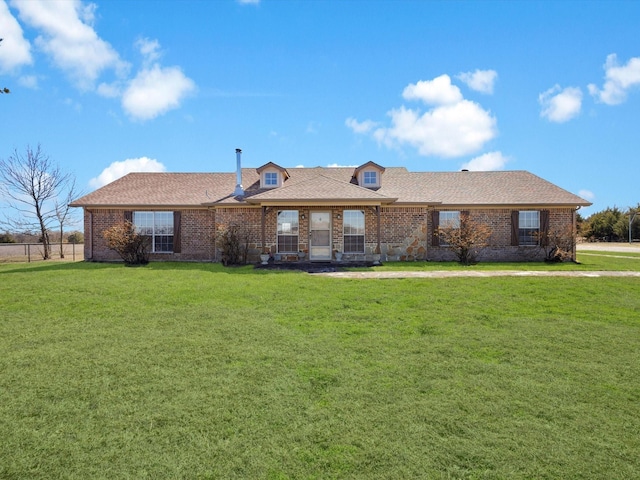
point(611, 225)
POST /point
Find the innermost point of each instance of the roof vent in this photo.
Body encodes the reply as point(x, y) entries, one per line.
point(464, 170)
point(239, 191)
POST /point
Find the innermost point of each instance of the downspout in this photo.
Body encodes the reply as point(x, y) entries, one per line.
point(90, 236)
point(574, 253)
point(262, 225)
point(379, 248)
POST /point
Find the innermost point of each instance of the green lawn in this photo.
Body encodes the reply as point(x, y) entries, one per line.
point(196, 371)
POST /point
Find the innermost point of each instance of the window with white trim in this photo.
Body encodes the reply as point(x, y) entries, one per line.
point(271, 179)
point(370, 178)
point(288, 230)
point(448, 219)
point(529, 227)
point(353, 231)
point(158, 226)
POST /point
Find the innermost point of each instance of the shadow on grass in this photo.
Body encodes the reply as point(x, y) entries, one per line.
point(153, 266)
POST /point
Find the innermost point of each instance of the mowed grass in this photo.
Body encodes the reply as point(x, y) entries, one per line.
point(197, 371)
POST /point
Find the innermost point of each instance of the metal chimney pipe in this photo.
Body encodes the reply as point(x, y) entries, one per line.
point(239, 191)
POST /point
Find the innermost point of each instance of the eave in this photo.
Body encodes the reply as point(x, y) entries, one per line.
point(311, 202)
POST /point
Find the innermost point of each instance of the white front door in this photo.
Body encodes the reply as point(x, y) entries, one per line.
point(320, 236)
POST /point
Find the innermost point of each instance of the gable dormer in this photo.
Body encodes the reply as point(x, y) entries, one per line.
point(369, 175)
point(272, 175)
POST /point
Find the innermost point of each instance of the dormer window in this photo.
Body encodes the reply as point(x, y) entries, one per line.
point(370, 178)
point(272, 175)
point(369, 175)
point(270, 179)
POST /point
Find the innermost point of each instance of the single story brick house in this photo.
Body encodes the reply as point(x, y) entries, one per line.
point(317, 212)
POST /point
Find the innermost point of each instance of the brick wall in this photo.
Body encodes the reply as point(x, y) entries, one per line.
point(197, 232)
point(500, 249)
point(405, 232)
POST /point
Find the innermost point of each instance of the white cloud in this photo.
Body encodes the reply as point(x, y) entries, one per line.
point(446, 131)
point(155, 91)
point(587, 194)
point(481, 80)
point(453, 127)
point(28, 81)
point(618, 80)
point(109, 90)
point(360, 127)
point(120, 169)
point(150, 50)
point(560, 105)
point(69, 38)
point(335, 165)
point(438, 91)
point(15, 50)
point(248, 2)
point(487, 162)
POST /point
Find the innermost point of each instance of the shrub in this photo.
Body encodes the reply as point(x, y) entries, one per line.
point(6, 238)
point(233, 245)
point(75, 237)
point(466, 239)
point(132, 247)
point(559, 244)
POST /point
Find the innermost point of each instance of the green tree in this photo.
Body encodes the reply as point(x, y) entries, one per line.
point(6, 238)
point(75, 237)
point(604, 225)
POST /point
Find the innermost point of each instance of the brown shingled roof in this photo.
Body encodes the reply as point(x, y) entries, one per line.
point(320, 188)
point(323, 185)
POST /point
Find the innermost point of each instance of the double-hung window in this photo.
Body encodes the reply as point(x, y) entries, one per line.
point(288, 230)
point(353, 231)
point(158, 226)
point(448, 220)
point(529, 227)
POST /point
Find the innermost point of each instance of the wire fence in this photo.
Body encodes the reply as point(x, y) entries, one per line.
point(33, 252)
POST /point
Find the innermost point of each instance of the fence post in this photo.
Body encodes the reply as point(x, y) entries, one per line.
point(28, 253)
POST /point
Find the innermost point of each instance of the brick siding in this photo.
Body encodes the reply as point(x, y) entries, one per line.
point(405, 232)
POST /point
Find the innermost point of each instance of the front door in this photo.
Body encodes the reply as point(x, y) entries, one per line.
point(320, 236)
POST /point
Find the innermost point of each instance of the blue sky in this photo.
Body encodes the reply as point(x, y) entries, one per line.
point(108, 87)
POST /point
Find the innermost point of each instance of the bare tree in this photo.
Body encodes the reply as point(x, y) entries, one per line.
point(61, 210)
point(465, 238)
point(31, 183)
point(558, 244)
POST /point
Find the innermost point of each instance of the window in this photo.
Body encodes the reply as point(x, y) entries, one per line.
point(528, 227)
point(450, 219)
point(353, 231)
point(288, 229)
point(370, 177)
point(270, 179)
point(158, 226)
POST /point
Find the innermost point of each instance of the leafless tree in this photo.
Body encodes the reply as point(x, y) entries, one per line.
point(558, 244)
point(61, 210)
point(31, 184)
point(466, 238)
